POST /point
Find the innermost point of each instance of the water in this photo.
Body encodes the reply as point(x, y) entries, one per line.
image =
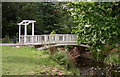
point(89, 67)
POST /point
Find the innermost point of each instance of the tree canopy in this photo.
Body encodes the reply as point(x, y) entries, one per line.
point(50, 16)
point(98, 24)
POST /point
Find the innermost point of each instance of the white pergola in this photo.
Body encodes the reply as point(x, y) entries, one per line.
point(25, 23)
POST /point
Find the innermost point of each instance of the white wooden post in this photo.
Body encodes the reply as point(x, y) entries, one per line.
point(70, 37)
point(25, 33)
point(67, 38)
point(56, 39)
point(63, 38)
point(32, 32)
point(45, 38)
point(19, 33)
point(50, 38)
point(34, 38)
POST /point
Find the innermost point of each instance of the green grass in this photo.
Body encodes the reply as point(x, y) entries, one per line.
point(29, 61)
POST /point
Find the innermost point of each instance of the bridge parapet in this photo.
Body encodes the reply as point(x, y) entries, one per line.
point(48, 39)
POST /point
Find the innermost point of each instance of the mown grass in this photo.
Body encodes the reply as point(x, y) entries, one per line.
point(29, 61)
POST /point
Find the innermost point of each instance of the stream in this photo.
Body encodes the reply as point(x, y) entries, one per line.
point(89, 67)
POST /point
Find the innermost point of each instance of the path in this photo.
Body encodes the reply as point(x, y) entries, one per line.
point(12, 44)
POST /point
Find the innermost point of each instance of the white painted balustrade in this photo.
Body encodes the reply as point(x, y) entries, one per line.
point(42, 39)
point(47, 39)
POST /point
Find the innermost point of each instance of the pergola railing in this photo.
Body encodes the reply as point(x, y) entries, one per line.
point(47, 39)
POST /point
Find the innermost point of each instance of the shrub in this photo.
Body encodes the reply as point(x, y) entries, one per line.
point(98, 55)
point(110, 49)
point(53, 32)
point(6, 39)
point(63, 59)
point(113, 59)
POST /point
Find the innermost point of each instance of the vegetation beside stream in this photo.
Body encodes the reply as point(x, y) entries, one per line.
point(108, 54)
point(112, 55)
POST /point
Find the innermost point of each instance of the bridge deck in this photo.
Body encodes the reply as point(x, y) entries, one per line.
point(46, 47)
point(49, 40)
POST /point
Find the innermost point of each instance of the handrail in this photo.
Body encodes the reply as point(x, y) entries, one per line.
point(47, 39)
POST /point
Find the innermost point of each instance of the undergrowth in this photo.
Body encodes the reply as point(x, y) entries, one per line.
point(62, 58)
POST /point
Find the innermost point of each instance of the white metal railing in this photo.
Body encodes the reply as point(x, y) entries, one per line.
point(47, 39)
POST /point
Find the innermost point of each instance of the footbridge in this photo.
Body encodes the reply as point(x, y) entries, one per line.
point(48, 39)
point(58, 39)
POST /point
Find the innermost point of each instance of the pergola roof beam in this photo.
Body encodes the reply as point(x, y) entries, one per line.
point(26, 21)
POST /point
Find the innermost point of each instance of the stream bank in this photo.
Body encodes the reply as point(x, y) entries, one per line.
point(89, 66)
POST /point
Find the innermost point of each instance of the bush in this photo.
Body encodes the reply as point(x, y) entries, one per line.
point(98, 55)
point(6, 39)
point(63, 59)
point(53, 32)
point(113, 59)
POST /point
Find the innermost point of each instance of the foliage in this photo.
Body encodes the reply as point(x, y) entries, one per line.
point(99, 56)
point(113, 59)
point(112, 55)
point(6, 39)
point(98, 23)
point(63, 59)
point(49, 16)
point(53, 32)
point(17, 11)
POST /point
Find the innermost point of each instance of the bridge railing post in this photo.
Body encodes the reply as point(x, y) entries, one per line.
point(63, 38)
point(35, 39)
point(21, 39)
point(46, 38)
point(32, 39)
point(56, 38)
point(50, 38)
point(67, 38)
point(40, 38)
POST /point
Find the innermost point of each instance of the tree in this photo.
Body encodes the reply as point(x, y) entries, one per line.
point(49, 16)
point(8, 18)
point(12, 13)
point(52, 16)
point(98, 23)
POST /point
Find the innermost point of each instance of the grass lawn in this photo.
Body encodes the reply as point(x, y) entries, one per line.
point(29, 61)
